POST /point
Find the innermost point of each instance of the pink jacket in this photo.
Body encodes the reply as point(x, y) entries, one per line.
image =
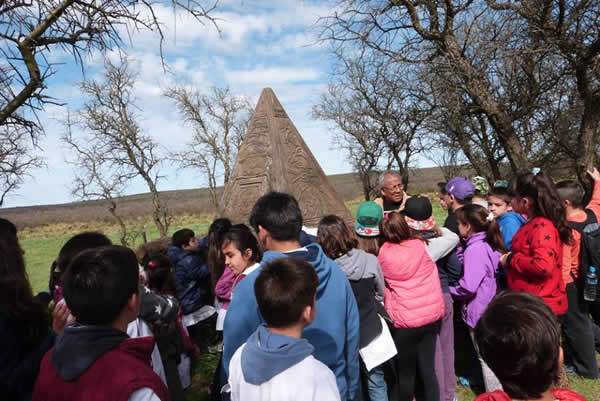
point(413, 294)
point(224, 287)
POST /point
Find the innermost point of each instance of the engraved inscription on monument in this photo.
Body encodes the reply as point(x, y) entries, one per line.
point(274, 157)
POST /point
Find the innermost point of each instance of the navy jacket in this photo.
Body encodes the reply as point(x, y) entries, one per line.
point(192, 279)
point(19, 362)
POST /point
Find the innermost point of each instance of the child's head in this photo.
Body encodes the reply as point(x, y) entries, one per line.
point(475, 218)
point(16, 297)
point(499, 201)
point(240, 248)
point(443, 195)
point(368, 219)
point(418, 214)
point(276, 216)
point(215, 258)
point(72, 248)
point(285, 292)
point(519, 338)
point(101, 286)
point(335, 237)
point(159, 274)
point(395, 229)
point(460, 192)
point(535, 195)
point(571, 194)
point(185, 239)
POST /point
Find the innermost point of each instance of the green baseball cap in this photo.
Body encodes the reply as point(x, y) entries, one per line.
point(481, 185)
point(368, 217)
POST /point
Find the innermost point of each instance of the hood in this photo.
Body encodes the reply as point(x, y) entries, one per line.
point(477, 237)
point(314, 255)
point(266, 354)
point(513, 216)
point(497, 395)
point(80, 346)
point(354, 264)
point(175, 253)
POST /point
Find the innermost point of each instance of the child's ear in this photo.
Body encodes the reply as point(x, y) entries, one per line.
point(248, 254)
point(566, 203)
point(308, 314)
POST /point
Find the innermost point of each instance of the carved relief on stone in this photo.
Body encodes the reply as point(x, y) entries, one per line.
point(273, 156)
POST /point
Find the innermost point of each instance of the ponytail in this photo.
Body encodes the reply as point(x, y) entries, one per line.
point(546, 201)
point(482, 221)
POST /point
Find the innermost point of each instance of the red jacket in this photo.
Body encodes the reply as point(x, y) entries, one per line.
point(535, 263)
point(560, 394)
point(112, 377)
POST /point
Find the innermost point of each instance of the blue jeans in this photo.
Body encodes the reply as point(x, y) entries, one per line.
point(376, 384)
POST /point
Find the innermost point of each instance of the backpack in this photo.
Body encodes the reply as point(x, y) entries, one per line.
point(590, 242)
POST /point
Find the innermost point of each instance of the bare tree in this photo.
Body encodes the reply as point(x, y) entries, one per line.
point(220, 120)
point(571, 29)
point(16, 159)
point(376, 116)
point(108, 118)
point(96, 177)
point(31, 30)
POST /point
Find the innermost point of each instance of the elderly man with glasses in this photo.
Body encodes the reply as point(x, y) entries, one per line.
point(392, 197)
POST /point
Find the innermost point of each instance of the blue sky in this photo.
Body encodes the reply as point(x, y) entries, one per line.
point(262, 43)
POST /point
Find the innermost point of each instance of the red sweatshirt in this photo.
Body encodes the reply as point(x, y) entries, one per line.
point(559, 394)
point(535, 263)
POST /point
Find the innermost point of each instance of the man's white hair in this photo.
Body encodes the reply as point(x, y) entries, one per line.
point(387, 173)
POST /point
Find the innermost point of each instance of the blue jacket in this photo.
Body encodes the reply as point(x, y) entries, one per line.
point(509, 225)
point(192, 279)
point(334, 332)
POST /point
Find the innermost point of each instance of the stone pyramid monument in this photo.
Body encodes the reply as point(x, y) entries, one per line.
point(273, 157)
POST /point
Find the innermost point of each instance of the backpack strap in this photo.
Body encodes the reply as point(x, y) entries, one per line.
point(589, 219)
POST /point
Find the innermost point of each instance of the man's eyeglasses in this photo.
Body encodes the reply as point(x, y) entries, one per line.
point(398, 187)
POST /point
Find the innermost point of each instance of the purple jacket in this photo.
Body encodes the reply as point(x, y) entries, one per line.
point(478, 286)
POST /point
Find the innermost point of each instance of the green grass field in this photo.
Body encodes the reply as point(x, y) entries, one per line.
point(42, 244)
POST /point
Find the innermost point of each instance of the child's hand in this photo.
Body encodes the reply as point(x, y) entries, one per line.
point(504, 258)
point(60, 315)
point(594, 174)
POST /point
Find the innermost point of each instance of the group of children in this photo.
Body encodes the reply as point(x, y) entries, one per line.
point(362, 311)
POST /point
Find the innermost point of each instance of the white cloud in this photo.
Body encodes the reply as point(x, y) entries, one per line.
point(272, 75)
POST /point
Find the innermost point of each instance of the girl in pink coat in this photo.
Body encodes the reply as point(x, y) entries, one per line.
point(413, 299)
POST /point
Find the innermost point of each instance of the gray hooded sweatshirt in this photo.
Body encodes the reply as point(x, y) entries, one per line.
point(358, 264)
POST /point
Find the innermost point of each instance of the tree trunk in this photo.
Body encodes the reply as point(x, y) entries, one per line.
point(588, 132)
point(479, 93)
point(122, 227)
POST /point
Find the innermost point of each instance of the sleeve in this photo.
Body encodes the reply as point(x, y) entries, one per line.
point(225, 285)
point(471, 279)
point(241, 321)
point(541, 262)
point(442, 246)
point(508, 231)
point(352, 342)
point(379, 281)
point(20, 377)
point(143, 394)
point(158, 308)
point(197, 270)
point(594, 204)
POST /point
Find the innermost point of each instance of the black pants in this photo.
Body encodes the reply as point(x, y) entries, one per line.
point(415, 362)
point(204, 333)
point(578, 334)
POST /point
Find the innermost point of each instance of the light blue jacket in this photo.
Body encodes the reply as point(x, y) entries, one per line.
point(334, 332)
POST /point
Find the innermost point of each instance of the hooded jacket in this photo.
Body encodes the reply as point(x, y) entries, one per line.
point(559, 394)
point(364, 273)
point(192, 279)
point(334, 333)
point(478, 285)
point(509, 225)
point(413, 293)
point(275, 367)
point(97, 363)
